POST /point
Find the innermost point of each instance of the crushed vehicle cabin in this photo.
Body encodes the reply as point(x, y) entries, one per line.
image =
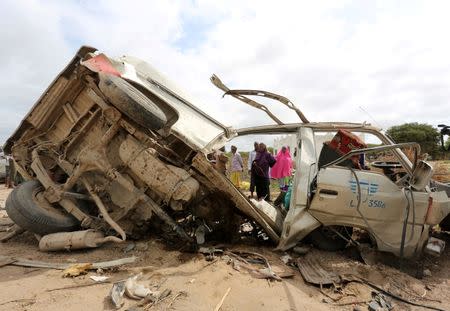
point(113, 149)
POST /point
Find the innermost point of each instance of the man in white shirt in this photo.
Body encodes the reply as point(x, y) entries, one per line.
point(251, 158)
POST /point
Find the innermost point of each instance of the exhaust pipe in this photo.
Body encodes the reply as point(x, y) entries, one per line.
point(74, 240)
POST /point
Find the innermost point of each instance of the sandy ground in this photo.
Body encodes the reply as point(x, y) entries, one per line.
point(205, 282)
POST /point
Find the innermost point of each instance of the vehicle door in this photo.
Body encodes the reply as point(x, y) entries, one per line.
point(370, 200)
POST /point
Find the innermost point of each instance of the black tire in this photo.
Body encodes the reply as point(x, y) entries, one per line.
point(22, 207)
point(326, 239)
point(131, 102)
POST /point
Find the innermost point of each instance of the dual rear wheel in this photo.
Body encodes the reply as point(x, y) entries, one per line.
point(27, 207)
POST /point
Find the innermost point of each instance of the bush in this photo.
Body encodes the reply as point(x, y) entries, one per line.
point(423, 134)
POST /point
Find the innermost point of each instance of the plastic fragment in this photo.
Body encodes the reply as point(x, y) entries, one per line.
point(116, 294)
point(99, 278)
point(135, 290)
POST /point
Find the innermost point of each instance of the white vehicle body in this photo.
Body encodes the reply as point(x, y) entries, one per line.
point(342, 197)
point(383, 202)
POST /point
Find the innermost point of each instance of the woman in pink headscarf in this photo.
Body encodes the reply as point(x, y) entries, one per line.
point(282, 168)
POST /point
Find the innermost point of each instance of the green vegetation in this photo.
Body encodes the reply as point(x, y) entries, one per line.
point(423, 134)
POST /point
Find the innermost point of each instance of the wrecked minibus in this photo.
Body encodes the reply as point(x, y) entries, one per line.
point(113, 150)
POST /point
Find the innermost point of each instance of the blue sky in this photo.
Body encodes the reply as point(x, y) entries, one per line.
point(194, 32)
point(328, 57)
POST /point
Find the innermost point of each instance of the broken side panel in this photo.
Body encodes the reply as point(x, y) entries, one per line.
point(381, 208)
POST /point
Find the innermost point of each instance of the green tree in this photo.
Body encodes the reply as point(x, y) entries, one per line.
point(423, 134)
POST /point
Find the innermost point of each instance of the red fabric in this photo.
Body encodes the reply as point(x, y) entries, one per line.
point(344, 142)
point(283, 166)
point(101, 63)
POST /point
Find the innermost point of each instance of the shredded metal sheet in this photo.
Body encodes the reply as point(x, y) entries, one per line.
point(313, 273)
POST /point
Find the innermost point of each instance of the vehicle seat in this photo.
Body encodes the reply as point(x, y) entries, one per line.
point(342, 143)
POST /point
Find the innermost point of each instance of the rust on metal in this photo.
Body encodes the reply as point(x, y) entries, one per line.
point(313, 273)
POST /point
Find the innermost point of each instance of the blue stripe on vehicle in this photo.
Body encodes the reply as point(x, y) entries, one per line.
point(353, 182)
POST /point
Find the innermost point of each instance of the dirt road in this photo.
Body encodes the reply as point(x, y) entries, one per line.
point(205, 283)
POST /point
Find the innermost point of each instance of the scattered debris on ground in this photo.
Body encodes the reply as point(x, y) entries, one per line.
point(5, 260)
point(186, 284)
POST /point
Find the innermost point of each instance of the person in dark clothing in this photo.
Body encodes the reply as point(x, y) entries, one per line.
point(260, 169)
point(251, 158)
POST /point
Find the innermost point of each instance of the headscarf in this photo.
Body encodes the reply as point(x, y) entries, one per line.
point(263, 161)
point(283, 166)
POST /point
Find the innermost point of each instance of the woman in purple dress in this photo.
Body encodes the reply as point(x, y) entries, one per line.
point(260, 168)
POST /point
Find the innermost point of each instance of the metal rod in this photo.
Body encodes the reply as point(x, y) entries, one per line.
point(284, 100)
point(218, 83)
point(103, 210)
point(166, 218)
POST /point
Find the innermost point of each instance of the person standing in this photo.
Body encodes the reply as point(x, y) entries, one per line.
point(282, 170)
point(221, 161)
point(263, 161)
point(251, 158)
point(237, 166)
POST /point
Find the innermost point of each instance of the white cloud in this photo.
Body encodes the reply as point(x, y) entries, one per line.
point(329, 57)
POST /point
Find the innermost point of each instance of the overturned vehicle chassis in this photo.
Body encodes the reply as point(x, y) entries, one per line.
point(114, 147)
point(100, 153)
